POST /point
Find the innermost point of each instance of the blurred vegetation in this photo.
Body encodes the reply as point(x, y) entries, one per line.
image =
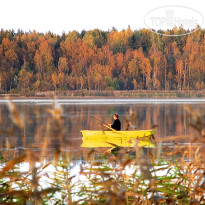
point(124, 176)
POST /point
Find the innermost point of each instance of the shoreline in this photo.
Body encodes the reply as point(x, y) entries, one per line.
point(116, 94)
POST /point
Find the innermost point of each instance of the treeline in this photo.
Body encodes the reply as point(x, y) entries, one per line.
point(101, 60)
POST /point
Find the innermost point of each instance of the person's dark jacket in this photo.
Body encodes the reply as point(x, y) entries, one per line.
point(116, 125)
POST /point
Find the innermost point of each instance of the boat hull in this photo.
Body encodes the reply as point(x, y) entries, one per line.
point(96, 134)
point(98, 138)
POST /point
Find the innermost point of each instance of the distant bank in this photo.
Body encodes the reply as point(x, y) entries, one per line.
point(111, 94)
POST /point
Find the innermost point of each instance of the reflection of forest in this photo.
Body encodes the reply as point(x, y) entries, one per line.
point(172, 119)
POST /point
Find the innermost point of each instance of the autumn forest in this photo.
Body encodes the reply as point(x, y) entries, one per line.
point(101, 60)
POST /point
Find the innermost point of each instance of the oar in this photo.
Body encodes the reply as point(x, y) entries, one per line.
point(104, 124)
point(109, 128)
point(115, 131)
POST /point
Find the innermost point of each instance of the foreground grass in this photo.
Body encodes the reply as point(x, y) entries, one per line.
point(137, 176)
point(114, 180)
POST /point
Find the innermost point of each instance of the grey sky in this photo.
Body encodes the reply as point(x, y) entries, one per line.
point(68, 15)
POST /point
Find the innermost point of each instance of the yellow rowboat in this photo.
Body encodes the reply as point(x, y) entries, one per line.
point(96, 134)
point(100, 138)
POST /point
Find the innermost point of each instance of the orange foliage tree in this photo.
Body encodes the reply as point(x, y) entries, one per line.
point(101, 60)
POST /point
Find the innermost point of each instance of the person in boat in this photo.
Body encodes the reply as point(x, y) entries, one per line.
point(117, 124)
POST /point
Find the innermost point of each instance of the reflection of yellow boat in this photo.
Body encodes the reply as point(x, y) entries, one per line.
point(99, 138)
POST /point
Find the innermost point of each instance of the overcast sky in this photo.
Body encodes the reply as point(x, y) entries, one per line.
point(67, 15)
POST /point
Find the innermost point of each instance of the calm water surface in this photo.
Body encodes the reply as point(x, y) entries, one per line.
point(170, 116)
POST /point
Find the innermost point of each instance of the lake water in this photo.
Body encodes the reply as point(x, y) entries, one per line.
point(170, 116)
point(42, 139)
